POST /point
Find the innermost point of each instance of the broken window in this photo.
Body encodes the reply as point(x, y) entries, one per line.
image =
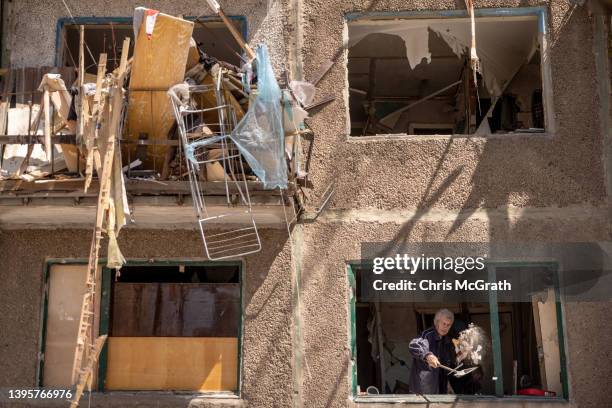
point(520, 354)
point(106, 36)
point(416, 76)
point(170, 326)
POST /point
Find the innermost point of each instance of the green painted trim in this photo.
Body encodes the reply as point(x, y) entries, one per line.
point(495, 335)
point(353, 328)
point(241, 272)
point(43, 327)
point(560, 331)
point(105, 306)
point(104, 325)
point(495, 338)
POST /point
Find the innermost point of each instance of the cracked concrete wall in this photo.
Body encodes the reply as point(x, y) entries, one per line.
point(267, 353)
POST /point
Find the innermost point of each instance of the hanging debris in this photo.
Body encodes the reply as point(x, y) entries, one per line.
point(471, 345)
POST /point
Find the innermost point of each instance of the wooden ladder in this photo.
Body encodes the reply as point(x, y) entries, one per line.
point(87, 308)
point(81, 376)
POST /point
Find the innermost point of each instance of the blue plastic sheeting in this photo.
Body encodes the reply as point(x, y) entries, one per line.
point(259, 135)
point(190, 148)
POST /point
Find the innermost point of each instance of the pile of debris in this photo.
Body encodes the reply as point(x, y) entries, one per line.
point(169, 111)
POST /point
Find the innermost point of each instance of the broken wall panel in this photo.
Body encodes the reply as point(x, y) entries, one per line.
point(175, 309)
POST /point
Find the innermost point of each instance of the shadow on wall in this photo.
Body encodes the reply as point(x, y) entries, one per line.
point(532, 170)
point(266, 367)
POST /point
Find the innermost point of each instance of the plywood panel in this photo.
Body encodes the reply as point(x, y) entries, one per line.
point(66, 289)
point(175, 309)
point(159, 63)
point(172, 363)
point(548, 341)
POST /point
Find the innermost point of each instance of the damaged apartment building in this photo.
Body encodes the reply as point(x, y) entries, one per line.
point(186, 189)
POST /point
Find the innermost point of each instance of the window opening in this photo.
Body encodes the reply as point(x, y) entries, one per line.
point(178, 324)
point(407, 73)
point(528, 333)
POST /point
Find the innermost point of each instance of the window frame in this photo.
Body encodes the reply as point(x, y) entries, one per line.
point(104, 317)
point(545, 66)
point(495, 346)
point(69, 21)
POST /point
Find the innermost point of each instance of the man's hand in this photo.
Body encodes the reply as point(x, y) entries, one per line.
point(432, 361)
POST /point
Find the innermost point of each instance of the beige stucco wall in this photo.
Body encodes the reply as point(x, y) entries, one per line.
point(266, 22)
point(267, 353)
point(330, 245)
point(532, 170)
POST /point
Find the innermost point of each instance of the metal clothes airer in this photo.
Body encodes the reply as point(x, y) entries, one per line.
point(204, 134)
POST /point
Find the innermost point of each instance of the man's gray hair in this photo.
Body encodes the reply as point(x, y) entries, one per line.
point(444, 313)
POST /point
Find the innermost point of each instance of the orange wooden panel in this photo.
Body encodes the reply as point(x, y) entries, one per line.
point(172, 363)
point(159, 63)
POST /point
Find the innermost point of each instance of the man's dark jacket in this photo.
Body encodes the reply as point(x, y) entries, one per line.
point(424, 379)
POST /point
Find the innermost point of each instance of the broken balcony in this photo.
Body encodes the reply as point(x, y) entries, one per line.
point(43, 171)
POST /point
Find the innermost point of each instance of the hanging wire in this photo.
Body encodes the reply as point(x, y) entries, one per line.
point(75, 23)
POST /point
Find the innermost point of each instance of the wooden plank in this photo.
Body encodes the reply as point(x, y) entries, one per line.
point(172, 363)
point(85, 332)
point(87, 378)
point(37, 139)
point(159, 63)
point(547, 333)
point(175, 309)
point(20, 85)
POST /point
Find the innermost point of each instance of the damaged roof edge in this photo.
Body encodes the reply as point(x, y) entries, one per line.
point(479, 12)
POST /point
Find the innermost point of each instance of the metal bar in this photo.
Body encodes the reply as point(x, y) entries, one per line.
point(150, 142)
point(37, 139)
point(431, 95)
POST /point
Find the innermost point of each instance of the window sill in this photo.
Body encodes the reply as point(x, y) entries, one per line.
point(425, 399)
point(163, 393)
point(405, 136)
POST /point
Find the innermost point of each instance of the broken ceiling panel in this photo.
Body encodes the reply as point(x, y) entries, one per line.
point(502, 51)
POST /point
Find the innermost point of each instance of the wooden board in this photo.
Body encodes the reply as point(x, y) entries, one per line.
point(66, 288)
point(159, 63)
point(172, 363)
point(547, 337)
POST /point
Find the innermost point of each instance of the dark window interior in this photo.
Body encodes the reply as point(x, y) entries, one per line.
point(382, 79)
point(212, 37)
point(403, 321)
point(175, 301)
